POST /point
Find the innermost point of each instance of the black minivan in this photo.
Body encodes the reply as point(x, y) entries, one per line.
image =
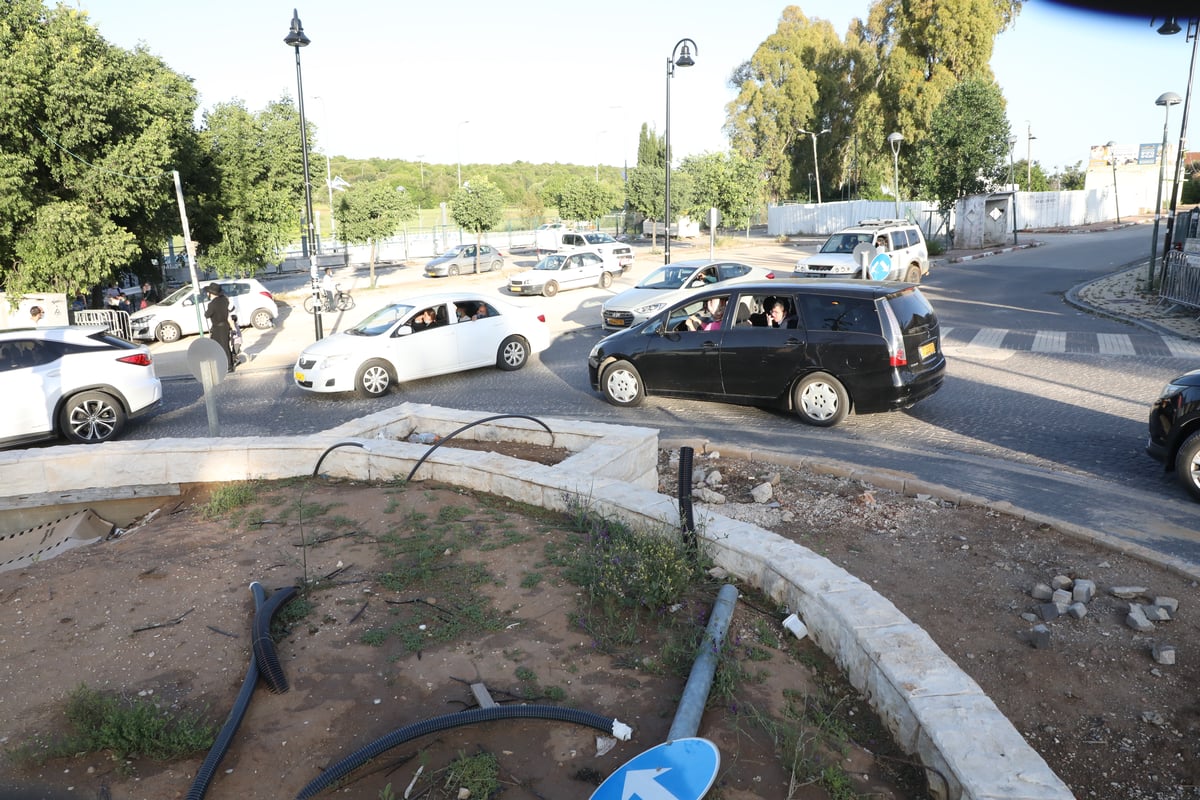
point(819, 347)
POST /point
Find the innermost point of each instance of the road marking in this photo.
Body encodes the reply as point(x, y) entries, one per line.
point(1182, 348)
point(1115, 344)
point(1050, 342)
point(989, 337)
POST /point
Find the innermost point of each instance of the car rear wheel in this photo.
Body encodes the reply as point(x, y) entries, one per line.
point(91, 417)
point(622, 385)
point(168, 332)
point(821, 400)
point(605, 279)
point(1187, 464)
point(913, 275)
point(452, 272)
point(513, 353)
point(261, 319)
point(374, 379)
point(550, 289)
point(495, 265)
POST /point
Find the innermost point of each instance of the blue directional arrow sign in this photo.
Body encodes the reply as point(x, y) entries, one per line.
point(880, 267)
point(684, 769)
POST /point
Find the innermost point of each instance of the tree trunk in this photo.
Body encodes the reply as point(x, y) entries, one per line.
point(372, 263)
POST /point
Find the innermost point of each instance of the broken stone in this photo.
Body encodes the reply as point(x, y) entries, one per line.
point(1128, 592)
point(1169, 603)
point(1061, 582)
point(1136, 619)
point(1163, 653)
point(1154, 718)
point(719, 573)
point(1061, 597)
point(1029, 616)
point(1077, 610)
point(706, 495)
point(761, 493)
point(1156, 613)
point(1049, 611)
point(713, 478)
point(1083, 590)
point(1042, 592)
point(774, 478)
point(1038, 636)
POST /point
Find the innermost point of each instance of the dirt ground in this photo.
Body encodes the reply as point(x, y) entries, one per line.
point(421, 591)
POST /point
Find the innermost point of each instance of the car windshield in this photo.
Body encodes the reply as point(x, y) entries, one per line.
point(176, 296)
point(551, 262)
point(381, 321)
point(668, 277)
point(845, 242)
point(453, 251)
point(599, 238)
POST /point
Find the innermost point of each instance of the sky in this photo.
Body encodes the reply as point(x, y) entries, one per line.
point(482, 82)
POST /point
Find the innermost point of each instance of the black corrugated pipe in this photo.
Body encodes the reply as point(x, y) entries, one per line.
point(409, 732)
point(221, 744)
point(263, 646)
point(685, 497)
point(454, 433)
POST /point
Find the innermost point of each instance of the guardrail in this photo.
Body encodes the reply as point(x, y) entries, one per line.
point(1181, 279)
point(113, 321)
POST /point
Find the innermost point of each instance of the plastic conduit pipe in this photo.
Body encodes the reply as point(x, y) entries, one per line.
point(695, 693)
point(263, 647)
point(401, 735)
point(685, 497)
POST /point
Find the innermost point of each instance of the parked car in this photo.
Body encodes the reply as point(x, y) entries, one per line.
point(838, 345)
point(421, 337)
point(175, 316)
point(601, 243)
point(566, 271)
point(906, 259)
point(659, 287)
point(1175, 430)
point(462, 259)
point(81, 383)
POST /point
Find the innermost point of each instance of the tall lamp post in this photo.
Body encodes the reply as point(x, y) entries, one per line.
point(1167, 99)
point(1112, 156)
point(297, 39)
point(816, 168)
point(1012, 144)
point(684, 60)
point(1029, 137)
point(894, 139)
point(1171, 27)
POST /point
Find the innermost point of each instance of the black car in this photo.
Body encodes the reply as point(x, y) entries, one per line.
point(1175, 430)
point(817, 347)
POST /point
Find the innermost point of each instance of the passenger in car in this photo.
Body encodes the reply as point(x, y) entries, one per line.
point(708, 318)
point(426, 319)
point(778, 316)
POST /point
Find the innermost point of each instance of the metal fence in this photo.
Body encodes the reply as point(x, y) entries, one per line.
point(1181, 279)
point(113, 321)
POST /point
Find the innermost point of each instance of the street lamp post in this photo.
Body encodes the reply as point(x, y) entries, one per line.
point(894, 139)
point(1029, 137)
point(1012, 143)
point(297, 39)
point(1112, 156)
point(1166, 100)
point(1169, 28)
point(464, 122)
point(816, 168)
point(684, 60)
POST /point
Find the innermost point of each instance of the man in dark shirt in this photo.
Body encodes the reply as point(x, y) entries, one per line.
point(218, 320)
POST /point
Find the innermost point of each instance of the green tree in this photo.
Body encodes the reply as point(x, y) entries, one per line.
point(584, 199)
point(477, 206)
point(967, 147)
point(370, 211)
point(727, 182)
point(89, 135)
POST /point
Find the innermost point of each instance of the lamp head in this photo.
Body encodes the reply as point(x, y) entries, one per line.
point(894, 139)
point(685, 57)
point(296, 37)
point(1168, 99)
point(1170, 27)
point(826, 130)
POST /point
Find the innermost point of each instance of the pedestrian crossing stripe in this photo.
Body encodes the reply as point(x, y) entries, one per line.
point(1062, 342)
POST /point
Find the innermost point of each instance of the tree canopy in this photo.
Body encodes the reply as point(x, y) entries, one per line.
point(965, 150)
point(370, 211)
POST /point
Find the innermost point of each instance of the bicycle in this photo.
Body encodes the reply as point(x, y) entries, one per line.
point(342, 301)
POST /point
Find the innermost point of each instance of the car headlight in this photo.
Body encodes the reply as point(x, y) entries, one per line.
point(1170, 390)
point(594, 353)
point(648, 309)
point(329, 361)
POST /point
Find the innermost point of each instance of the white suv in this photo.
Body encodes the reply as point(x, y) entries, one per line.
point(904, 256)
point(175, 315)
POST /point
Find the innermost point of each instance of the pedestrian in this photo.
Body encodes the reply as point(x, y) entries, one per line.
point(149, 295)
point(328, 287)
point(218, 321)
point(36, 314)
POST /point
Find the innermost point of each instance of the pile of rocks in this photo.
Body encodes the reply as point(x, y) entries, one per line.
point(1066, 596)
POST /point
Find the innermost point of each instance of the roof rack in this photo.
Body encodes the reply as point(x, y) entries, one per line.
point(865, 222)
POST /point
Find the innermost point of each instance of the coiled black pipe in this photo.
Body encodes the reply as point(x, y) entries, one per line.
point(263, 647)
point(453, 433)
point(221, 744)
point(685, 497)
point(398, 737)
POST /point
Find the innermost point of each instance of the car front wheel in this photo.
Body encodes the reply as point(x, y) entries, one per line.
point(373, 379)
point(622, 385)
point(1187, 464)
point(513, 353)
point(821, 400)
point(91, 417)
point(169, 332)
point(550, 289)
point(452, 272)
point(261, 319)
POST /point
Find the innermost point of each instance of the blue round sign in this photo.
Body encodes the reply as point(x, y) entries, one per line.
point(880, 267)
point(684, 769)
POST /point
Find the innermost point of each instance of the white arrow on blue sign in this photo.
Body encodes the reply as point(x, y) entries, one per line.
point(881, 267)
point(684, 769)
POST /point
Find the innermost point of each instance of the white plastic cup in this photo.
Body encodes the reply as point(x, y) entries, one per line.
point(793, 624)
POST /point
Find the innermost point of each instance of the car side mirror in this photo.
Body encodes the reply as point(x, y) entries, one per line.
point(403, 330)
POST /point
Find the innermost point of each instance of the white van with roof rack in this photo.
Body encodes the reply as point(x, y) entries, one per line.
point(883, 249)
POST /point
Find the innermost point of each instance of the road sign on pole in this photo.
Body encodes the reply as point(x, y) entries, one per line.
point(684, 769)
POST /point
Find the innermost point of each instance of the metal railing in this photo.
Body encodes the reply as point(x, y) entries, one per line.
point(114, 321)
point(1181, 279)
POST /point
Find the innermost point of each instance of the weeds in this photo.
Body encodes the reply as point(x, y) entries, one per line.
point(229, 497)
point(478, 774)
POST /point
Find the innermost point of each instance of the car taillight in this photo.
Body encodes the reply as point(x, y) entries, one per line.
point(770, 276)
point(897, 357)
point(541, 317)
point(137, 359)
point(267, 295)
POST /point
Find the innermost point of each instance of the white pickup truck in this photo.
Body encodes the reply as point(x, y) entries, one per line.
point(602, 243)
point(548, 237)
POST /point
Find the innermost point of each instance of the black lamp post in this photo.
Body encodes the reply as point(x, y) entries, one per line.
point(297, 39)
point(1166, 99)
point(1169, 28)
point(684, 60)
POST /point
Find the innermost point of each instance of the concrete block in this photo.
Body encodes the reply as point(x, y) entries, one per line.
point(1163, 653)
point(1061, 597)
point(1077, 610)
point(1083, 591)
point(1136, 619)
point(1169, 603)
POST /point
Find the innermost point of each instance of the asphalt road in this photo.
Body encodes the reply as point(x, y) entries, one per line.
point(1055, 430)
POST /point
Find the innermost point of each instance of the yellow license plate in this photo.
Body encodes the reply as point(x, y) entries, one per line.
point(300, 377)
point(927, 350)
point(617, 323)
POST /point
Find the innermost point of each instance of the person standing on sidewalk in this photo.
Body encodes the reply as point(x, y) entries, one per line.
point(218, 321)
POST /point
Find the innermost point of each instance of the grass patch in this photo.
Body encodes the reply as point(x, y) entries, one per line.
point(229, 497)
point(479, 774)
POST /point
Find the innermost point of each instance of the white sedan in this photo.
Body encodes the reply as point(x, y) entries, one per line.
point(423, 336)
point(566, 271)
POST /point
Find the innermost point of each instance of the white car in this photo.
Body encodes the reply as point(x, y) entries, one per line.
point(891, 249)
point(566, 271)
point(601, 243)
point(661, 287)
point(396, 344)
point(79, 382)
point(175, 315)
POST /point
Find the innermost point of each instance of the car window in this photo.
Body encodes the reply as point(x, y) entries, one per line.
point(381, 321)
point(823, 312)
point(669, 277)
point(844, 242)
point(912, 310)
point(591, 259)
point(233, 289)
point(729, 271)
point(25, 353)
point(551, 263)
